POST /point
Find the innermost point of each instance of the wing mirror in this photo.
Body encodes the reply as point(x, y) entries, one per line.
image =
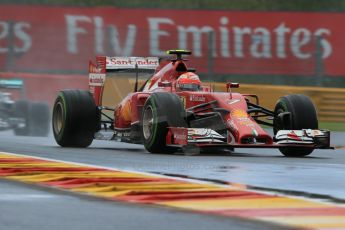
point(231, 85)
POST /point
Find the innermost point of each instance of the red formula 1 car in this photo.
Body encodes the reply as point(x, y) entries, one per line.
point(172, 110)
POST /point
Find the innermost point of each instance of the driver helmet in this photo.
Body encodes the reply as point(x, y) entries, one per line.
point(188, 82)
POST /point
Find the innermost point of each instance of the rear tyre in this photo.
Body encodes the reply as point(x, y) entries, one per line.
point(303, 116)
point(21, 112)
point(161, 110)
point(39, 119)
point(76, 118)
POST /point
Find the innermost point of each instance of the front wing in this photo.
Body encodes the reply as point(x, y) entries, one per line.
point(204, 137)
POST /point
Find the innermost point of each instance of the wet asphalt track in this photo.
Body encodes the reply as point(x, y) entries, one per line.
point(29, 207)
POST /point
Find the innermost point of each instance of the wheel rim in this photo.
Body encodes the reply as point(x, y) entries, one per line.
point(147, 122)
point(59, 117)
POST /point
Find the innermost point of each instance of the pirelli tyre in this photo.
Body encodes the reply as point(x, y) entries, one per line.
point(22, 116)
point(39, 121)
point(75, 119)
point(301, 114)
point(161, 110)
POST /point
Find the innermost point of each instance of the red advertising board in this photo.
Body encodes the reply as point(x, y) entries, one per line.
point(57, 39)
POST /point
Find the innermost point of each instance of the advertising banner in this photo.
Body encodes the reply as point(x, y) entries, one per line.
point(55, 39)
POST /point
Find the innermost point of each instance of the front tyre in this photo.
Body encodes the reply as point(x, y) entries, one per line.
point(161, 110)
point(302, 116)
point(75, 119)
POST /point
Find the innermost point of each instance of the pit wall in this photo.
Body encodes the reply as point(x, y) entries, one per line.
point(330, 102)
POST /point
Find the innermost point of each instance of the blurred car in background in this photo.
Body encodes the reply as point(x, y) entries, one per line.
point(24, 117)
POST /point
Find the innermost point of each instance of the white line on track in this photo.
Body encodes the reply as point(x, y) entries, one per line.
point(23, 197)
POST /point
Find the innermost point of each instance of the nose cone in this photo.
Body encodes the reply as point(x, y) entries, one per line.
point(246, 130)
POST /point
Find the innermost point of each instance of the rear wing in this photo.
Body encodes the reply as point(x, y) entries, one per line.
point(11, 83)
point(125, 63)
point(97, 73)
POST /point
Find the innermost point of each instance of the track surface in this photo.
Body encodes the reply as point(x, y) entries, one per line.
point(321, 174)
point(27, 207)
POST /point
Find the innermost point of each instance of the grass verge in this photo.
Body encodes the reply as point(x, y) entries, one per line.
point(333, 126)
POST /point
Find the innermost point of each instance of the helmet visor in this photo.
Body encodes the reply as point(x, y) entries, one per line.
point(189, 87)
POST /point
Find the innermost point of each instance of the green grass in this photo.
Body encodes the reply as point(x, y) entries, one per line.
point(333, 126)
